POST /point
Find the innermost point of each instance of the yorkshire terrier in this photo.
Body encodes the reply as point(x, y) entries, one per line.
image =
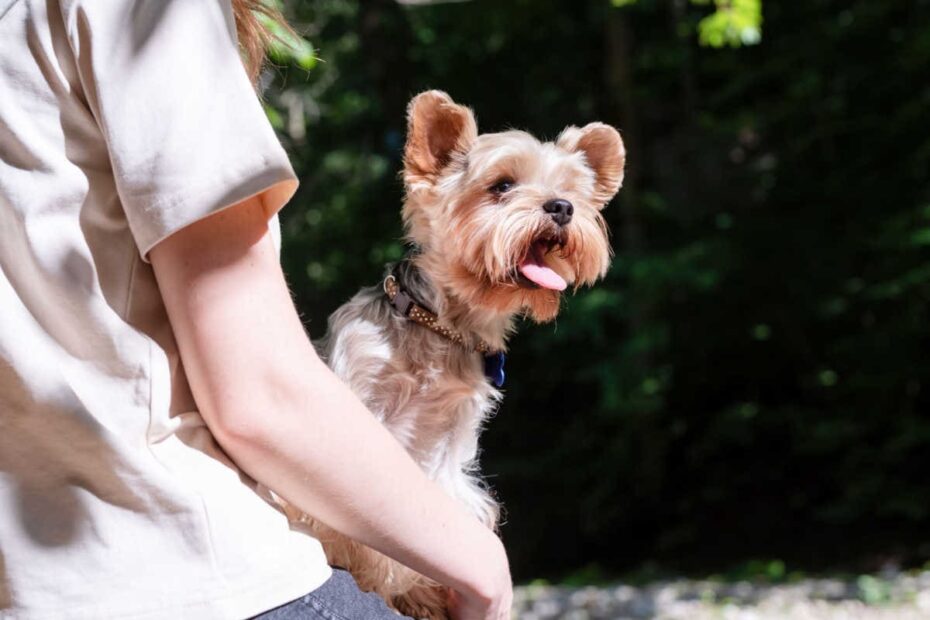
point(502, 225)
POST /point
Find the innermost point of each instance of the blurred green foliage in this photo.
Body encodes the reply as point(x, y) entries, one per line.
point(751, 379)
point(874, 590)
point(733, 22)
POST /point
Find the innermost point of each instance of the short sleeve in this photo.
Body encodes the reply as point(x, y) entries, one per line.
point(186, 133)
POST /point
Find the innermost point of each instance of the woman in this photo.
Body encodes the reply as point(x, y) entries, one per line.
point(152, 365)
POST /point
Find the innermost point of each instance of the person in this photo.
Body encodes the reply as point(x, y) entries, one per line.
point(154, 373)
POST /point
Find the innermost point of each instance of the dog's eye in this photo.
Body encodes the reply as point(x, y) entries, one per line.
point(502, 186)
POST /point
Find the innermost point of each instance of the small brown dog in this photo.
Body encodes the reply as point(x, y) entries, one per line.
point(502, 224)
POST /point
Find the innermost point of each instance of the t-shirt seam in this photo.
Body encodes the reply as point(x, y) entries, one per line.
point(127, 308)
point(214, 564)
point(276, 173)
point(169, 201)
point(205, 513)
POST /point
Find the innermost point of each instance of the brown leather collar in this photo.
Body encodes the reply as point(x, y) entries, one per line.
point(409, 308)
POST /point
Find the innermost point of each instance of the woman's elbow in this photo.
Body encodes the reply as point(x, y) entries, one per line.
point(258, 415)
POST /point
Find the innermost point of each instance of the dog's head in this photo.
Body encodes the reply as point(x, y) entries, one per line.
point(504, 221)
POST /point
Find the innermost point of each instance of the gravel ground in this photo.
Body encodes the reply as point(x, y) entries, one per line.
point(903, 596)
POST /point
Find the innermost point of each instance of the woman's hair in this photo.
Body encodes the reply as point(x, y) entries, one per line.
point(254, 33)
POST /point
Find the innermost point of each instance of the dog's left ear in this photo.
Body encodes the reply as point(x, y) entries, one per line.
point(437, 128)
point(603, 151)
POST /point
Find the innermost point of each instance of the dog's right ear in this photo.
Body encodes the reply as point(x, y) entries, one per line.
point(437, 128)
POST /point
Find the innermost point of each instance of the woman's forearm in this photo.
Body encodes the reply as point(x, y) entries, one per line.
point(325, 453)
point(289, 422)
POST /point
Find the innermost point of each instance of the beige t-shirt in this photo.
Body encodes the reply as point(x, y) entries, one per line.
point(122, 121)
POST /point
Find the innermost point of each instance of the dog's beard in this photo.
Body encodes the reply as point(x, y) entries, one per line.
point(511, 263)
point(522, 248)
point(535, 268)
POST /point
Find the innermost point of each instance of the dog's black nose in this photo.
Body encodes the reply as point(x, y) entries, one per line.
point(560, 210)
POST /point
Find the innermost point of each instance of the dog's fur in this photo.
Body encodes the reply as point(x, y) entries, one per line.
point(431, 393)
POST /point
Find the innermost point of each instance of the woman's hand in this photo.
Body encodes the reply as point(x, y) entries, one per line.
point(490, 601)
point(495, 608)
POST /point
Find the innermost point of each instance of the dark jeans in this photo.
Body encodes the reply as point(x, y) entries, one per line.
point(339, 598)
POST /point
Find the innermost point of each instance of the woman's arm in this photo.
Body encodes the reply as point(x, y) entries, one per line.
point(291, 424)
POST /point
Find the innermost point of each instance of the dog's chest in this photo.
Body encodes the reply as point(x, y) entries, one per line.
point(435, 407)
point(430, 393)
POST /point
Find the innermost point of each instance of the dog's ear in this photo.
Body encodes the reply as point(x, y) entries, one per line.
point(604, 152)
point(437, 128)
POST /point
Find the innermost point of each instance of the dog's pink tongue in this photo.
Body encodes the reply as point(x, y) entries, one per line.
point(535, 269)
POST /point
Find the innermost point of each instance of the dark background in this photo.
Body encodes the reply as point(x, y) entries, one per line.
point(751, 380)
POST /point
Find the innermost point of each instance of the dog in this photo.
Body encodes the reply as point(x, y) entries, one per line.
point(502, 224)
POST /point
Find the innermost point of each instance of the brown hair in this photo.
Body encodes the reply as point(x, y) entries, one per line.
point(254, 35)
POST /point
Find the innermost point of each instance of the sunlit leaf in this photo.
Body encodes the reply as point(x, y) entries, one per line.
point(734, 23)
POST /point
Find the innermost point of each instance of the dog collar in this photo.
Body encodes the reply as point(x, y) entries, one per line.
point(405, 304)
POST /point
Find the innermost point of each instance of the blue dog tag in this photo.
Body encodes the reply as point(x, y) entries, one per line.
point(494, 368)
